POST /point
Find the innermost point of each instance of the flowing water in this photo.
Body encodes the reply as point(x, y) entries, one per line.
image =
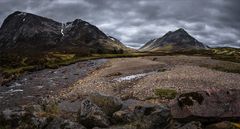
point(30, 88)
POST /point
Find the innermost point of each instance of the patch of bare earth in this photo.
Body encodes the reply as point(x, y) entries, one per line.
point(145, 74)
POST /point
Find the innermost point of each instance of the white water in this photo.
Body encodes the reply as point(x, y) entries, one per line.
point(15, 85)
point(132, 77)
point(13, 91)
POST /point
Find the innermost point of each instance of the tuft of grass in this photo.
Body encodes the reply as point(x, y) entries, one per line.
point(17, 71)
point(51, 109)
point(166, 93)
point(63, 56)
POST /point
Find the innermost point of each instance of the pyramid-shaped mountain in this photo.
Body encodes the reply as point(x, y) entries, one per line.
point(177, 40)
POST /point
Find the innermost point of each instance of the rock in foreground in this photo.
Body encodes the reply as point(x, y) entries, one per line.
point(194, 110)
point(207, 106)
point(91, 115)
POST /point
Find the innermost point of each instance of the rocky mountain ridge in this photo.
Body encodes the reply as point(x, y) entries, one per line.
point(35, 34)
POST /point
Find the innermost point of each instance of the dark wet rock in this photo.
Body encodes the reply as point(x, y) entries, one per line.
point(58, 123)
point(31, 118)
point(124, 116)
point(21, 118)
point(191, 125)
point(68, 106)
point(160, 118)
point(144, 117)
point(134, 114)
point(90, 115)
point(108, 104)
point(207, 106)
point(150, 117)
point(38, 122)
point(12, 117)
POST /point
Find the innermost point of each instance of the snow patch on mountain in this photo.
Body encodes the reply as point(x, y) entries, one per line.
point(62, 29)
point(113, 39)
point(22, 14)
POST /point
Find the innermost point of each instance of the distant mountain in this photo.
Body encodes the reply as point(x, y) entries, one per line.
point(27, 33)
point(177, 40)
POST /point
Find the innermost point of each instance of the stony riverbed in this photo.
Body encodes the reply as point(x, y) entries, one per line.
point(31, 87)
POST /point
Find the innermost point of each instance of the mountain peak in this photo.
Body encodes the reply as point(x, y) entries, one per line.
point(77, 21)
point(177, 40)
point(181, 30)
point(19, 13)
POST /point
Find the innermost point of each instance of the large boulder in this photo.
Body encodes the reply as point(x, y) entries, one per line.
point(123, 116)
point(108, 104)
point(90, 115)
point(207, 106)
point(152, 117)
point(143, 116)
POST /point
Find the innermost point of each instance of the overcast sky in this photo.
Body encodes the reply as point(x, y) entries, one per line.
point(134, 22)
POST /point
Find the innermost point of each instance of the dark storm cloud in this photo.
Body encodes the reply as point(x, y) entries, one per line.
point(134, 22)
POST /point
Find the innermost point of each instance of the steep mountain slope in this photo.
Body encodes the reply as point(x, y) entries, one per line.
point(27, 33)
point(177, 40)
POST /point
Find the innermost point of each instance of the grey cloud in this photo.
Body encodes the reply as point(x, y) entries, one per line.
point(134, 22)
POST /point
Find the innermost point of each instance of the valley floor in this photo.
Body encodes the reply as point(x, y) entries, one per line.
point(140, 77)
point(146, 87)
point(123, 77)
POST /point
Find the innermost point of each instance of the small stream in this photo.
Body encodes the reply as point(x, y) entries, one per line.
point(30, 88)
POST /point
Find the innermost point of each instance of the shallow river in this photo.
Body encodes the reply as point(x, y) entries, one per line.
point(31, 87)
